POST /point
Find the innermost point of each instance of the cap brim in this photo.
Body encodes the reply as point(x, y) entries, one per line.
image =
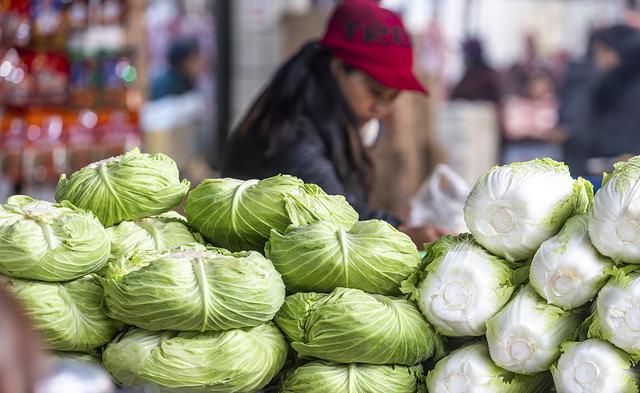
point(395, 79)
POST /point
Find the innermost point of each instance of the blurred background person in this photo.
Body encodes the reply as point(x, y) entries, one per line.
point(530, 120)
point(607, 124)
point(185, 65)
point(479, 82)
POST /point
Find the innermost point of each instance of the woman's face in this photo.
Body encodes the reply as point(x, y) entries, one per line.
point(367, 98)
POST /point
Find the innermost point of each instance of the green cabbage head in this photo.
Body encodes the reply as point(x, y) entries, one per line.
point(372, 256)
point(513, 208)
point(70, 316)
point(193, 287)
point(47, 241)
point(239, 360)
point(239, 215)
point(128, 187)
point(325, 377)
point(351, 326)
point(166, 231)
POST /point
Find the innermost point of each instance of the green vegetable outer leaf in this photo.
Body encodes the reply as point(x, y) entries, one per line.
point(239, 360)
point(594, 366)
point(325, 377)
point(371, 256)
point(166, 231)
point(351, 326)
point(194, 288)
point(510, 210)
point(70, 316)
point(47, 241)
point(128, 187)
point(470, 369)
point(461, 286)
point(239, 215)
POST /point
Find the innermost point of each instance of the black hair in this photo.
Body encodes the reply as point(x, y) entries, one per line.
point(182, 49)
point(625, 41)
point(305, 88)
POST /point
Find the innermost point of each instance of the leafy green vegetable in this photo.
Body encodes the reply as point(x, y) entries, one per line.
point(614, 226)
point(616, 314)
point(70, 316)
point(469, 369)
point(193, 287)
point(594, 366)
point(239, 215)
point(166, 231)
point(513, 208)
point(128, 187)
point(461, 286)
point(567, 270)
point(239, 360)
point(351, 326)
point(371, 256)
point(44, 241)
point(324, 377)
point(525, 336)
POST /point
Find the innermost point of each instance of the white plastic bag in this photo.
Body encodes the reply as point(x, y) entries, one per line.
point(440, 200)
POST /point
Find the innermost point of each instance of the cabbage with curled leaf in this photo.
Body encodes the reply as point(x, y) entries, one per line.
point(372, 256)
point(239, 215)
point(232, 361)
point(70, 316)
point(193, 287)
point(165, 231)
point(325, 377)
point(351, 326)
point(128, 187)
point(46, 241)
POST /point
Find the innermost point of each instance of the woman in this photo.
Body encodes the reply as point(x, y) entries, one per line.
point(307, 121)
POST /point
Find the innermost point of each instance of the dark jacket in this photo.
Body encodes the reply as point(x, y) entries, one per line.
point(172, 82)
point(607, 130)
point(307, 158)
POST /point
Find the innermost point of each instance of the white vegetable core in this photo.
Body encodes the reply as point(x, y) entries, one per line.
point(456, 295)
point(586, 373)
point(503, 220)
point(520, 349)
point(628, 231)
point(457, 383)
point(565, 283)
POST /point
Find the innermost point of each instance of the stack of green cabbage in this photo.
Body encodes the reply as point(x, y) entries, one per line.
point(47, 254)
point(198, 316)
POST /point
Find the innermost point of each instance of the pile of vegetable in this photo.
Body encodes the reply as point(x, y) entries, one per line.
point(274, 284)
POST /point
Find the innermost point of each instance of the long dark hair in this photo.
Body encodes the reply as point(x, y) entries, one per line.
point(304, 88)
point(625, 41)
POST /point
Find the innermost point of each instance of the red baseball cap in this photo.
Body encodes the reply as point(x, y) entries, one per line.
point(373, 40)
